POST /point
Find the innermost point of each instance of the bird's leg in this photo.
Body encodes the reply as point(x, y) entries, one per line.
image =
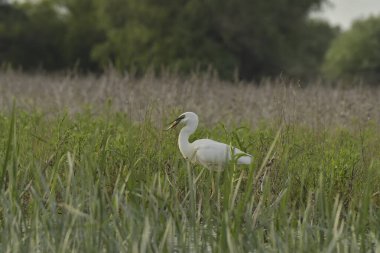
point(212, 185)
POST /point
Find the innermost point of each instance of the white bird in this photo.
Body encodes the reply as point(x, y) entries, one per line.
point(210, 154)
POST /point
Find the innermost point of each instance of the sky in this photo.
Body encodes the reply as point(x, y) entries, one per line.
point(343, 12)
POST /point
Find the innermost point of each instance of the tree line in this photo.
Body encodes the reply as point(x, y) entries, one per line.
point(251, 38)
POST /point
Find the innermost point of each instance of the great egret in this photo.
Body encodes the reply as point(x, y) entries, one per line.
point(210, 154)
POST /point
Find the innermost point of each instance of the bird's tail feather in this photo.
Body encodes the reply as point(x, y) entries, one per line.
point(244, 160)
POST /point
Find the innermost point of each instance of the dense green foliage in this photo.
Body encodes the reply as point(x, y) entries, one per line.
point(356, 53)
point(90, 183)
point(250, 38)
point(31, 37)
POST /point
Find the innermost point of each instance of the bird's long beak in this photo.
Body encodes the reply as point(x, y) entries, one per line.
point(175, 122)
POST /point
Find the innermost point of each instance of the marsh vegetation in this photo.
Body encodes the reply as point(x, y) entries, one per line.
point(86, 167)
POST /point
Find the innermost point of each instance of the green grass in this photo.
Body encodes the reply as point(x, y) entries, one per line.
point(87, 183)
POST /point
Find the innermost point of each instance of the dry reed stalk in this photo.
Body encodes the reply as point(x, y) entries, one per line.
point(214, 100)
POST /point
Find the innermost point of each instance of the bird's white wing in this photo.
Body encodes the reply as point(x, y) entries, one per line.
point(216, 154)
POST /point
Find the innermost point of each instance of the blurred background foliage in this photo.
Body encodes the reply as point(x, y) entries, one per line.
point(249, 39)
point(356, 53)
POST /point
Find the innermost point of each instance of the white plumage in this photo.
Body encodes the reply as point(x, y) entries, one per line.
point(210, 154)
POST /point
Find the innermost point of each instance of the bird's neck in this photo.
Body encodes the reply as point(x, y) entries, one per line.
point(183, 141)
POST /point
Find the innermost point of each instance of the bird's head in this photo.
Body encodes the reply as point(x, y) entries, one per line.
point(185, 118)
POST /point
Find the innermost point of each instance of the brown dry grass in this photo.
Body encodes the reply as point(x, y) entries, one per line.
point(214, 100)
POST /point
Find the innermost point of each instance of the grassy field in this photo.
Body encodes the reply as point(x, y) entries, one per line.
point(85, 166)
